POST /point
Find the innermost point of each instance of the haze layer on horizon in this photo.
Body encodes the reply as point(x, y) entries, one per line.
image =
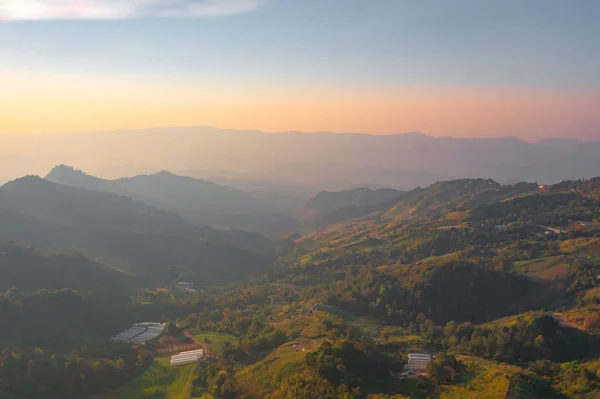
point(512, 68)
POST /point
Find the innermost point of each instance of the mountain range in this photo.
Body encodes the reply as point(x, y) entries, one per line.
point(197, 200)
point(501, 281)
point(200, 201)
point(329, 207)
point(31, 270)
point(151, 241)
point(301, 164)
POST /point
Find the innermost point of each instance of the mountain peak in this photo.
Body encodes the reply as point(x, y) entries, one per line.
point(165, 174)
point(69, 176)
point(64, 170)
point(29, 181)
point(63, 167)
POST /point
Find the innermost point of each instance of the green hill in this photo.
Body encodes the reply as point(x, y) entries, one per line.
point(31, 270)
point(197, 200)
point(456, 194)
point(51, 216)
point(326, 205)
point(492, 380)
point(499, 284)
point(158, 381)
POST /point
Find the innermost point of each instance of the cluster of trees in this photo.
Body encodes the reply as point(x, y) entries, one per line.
point(54, 345)
point(585, 275)
point(219, 383)
point(244, 313)
point(53, 318)
point(571, 377)
point(444, 368)
point(526, 340)
point(350, 363)
point(398, 297)
point(37, 373)
point(344, 369)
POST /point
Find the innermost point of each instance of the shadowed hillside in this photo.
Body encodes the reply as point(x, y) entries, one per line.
point(197, 200)
point(326, 203)
point(31, 270)
point(48, 215)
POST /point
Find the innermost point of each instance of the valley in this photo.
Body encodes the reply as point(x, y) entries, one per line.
point(461, 270)
point(271, 199)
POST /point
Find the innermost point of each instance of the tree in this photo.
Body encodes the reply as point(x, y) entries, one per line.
point(385, 336)
point(435, 371)
point(171, 328)
point(539, 341)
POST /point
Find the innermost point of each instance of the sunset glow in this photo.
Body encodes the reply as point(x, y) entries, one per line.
point(254, 64)
point(63, 103)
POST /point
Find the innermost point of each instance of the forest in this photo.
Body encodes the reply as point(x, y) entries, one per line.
point(501, 284)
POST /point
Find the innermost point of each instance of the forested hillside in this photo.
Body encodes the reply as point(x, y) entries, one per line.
point(500, 284)
point(326, 203)
point(197, 200)
point(28, 269)
point(250, 213)
point(52, 216)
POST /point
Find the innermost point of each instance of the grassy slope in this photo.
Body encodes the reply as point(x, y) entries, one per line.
point(217, 340)
point(168, 382)
point(281, 364)
point(489, 380)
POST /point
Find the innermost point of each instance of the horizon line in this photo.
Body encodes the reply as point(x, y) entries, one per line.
point(250, 130)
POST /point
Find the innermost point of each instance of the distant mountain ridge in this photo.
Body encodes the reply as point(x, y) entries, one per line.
point(28, 269)
point(437, 198)
point(198, 200)
point(455, 194)
point(48, 215)
point(327, 203)
point(315, 161)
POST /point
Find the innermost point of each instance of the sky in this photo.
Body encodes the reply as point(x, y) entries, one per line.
point(458, 68)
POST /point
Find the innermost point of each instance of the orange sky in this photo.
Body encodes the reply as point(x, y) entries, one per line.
point(47, 102)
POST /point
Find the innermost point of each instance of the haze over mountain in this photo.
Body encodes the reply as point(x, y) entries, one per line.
point(53, 216)
point(327, 202)
point(198, 200)
point(318, 161)
point(415, 215)
point(30, 270)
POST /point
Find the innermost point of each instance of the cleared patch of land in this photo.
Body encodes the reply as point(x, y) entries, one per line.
point(159, 381)
point(214, 341)
point(486, 380)
point(545, 268)
point(277, 366)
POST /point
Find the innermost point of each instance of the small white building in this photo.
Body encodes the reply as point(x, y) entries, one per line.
point(187, 357)
point(418, 361)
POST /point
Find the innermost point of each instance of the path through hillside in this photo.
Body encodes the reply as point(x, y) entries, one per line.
point(190, 377)
point(185, 389)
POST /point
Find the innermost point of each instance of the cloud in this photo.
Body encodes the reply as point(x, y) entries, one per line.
point(121, 9)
